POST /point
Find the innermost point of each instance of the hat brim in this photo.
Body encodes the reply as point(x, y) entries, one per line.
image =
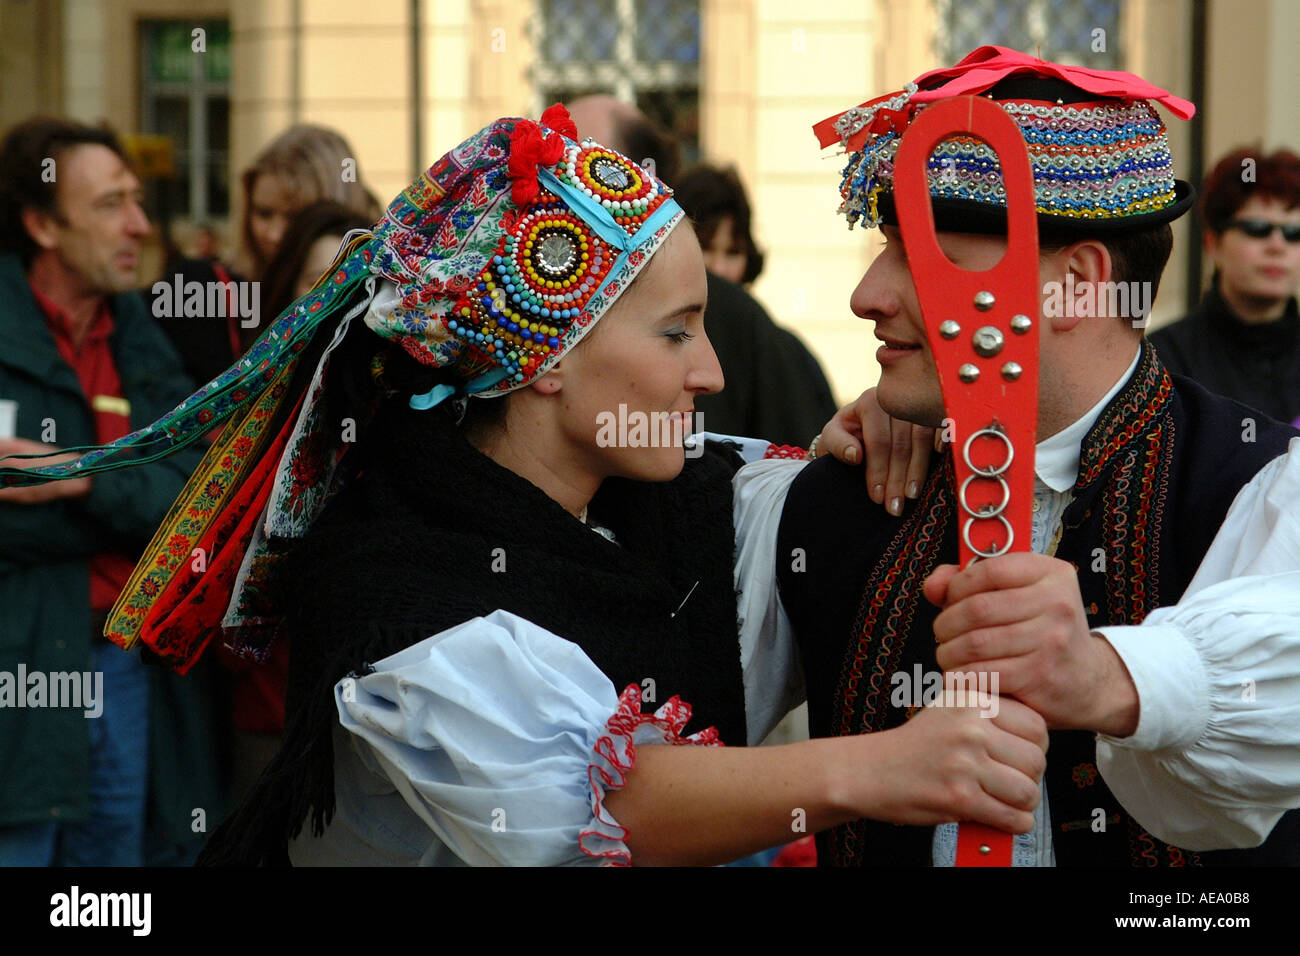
point(966, 215)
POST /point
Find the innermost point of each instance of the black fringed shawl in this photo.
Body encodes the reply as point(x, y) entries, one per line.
point(431, 534)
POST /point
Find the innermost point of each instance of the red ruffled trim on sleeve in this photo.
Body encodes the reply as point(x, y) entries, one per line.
point(615, 756)
point(793, 452)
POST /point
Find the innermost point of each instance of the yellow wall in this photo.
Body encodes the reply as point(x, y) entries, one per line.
point(31, 72)
point(354, 72)
point(771, 70)
point(339, 68)
point(1157, 43)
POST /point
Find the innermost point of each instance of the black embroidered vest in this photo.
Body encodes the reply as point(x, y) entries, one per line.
point(1158, 471)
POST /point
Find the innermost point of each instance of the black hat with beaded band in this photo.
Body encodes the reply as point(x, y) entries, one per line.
point(1097, 146)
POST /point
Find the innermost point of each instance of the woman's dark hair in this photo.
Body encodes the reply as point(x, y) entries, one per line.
point(710, 194)
point(26, 181)
point(371, 377)
point(322, 218)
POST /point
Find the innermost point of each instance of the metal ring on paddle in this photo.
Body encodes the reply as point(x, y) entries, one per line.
point(989, 472)
point(1011, 536)
point(986, 511)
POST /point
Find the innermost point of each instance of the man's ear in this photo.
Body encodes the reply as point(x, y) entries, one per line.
point(1089, 263)
point(41, 226)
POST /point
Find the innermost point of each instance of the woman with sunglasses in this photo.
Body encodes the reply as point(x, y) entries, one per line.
point(455, 474)
point(1243, 339)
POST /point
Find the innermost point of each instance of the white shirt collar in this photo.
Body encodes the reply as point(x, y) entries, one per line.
point(1056, 459)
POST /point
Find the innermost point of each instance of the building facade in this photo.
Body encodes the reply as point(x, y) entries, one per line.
point(741, 82)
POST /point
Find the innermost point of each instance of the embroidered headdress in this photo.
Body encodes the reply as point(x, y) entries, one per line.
point(1098, 148)
point(491, 265)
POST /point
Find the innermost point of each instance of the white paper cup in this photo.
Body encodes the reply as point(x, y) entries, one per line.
point(8, 418)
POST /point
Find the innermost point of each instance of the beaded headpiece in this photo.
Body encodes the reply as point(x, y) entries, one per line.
point(494, 263)
point(536, 236)
point(1097, 147)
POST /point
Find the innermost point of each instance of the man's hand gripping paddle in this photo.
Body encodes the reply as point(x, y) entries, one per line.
point(983, 332)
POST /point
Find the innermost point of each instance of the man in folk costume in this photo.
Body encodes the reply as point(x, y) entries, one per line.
point(1165, 660)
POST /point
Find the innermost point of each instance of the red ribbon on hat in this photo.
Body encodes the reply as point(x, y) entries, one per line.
point(883, 121)
point(984, 68)
point(531, 149)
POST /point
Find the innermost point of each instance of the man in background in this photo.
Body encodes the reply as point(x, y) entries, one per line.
point(83, 363)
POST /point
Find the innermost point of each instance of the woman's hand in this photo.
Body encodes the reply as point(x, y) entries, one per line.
point(980, 762)
point(897, 452)
point(700, 806)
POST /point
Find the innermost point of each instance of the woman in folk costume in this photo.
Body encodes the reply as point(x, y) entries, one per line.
point(422, 485)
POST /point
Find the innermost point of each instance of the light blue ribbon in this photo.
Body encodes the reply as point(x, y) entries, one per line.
point(440, 393)
point(595, 214)
point(648, 228)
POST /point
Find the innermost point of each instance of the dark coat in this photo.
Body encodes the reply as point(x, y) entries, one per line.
point(45, 549)
point(1257, 365)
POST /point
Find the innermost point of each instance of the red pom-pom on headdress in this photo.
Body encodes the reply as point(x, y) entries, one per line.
point(557, 118)
point(529, 149)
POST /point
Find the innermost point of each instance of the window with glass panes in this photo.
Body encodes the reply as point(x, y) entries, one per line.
point(1077, 32)
point(185, 96)
point(645, 52)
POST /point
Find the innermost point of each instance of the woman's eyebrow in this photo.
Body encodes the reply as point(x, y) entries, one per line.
point(684, 310)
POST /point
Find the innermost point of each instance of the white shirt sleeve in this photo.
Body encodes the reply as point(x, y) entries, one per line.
point(504, 739)
point(774, 682)
point(1215, 760)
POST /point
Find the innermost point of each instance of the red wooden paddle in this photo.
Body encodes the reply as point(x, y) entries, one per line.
point(983, 332)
